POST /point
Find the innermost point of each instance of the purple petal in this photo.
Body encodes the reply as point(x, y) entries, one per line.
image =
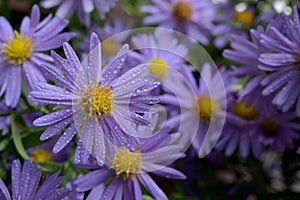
point(151, 186)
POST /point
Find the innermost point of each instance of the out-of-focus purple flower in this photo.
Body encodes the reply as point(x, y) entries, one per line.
point(110, 38)
point(130, 169)
point(161, 52)
point(83, 8)
point(21, 52)
point(193, 18)
point(250, 129)
point(282, 61)
point(25, 184)
point(4, 120)
point(238, 131)
point(97, 103)
point(202, 109)
point(43, 152)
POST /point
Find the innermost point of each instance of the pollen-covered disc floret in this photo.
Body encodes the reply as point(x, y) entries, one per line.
point(244, 111)
point(41, 155)
point(126, 163)
point(269, 126)
point(158, 67)
point(97, 100)
point(183, 11)
point(17, 50)
point(245, 17)
point(206, 107)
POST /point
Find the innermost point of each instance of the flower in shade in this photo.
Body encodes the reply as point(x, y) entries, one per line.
point(193, 18)
point(83, 8)
point(250, 129)
point(282, 61)
point(202, 109)
point(161, 51)
point(97, 103)
point(4, 120)
point(25, 184)
point(110, 37)
point(130, 169)
point(43, 152)
point(21, 52)
point(246, 52)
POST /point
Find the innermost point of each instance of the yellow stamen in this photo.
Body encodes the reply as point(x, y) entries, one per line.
point(248, 113)
point(158, 67)
point(183, 11)
point(126, 163)
point(97, 100)
point(244, 17)
point(41, 155)
point(269, 126)
point(17, 50)
point(207, 107)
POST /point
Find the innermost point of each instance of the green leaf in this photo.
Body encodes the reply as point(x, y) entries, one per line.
point(50, 167)
point(4, 142)
point(17, 138)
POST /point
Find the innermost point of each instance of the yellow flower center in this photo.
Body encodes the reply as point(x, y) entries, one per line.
point(97, 100)
point(269, 126)
point(183, 11)
point(158, 67)
point(244, 17)
point(110, 47)
point(247, 113)
point(126, 163)
point(41, 155)
point(206, 107)
point(17, 50)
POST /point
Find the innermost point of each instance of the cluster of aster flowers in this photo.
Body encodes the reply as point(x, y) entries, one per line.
point(95, 105)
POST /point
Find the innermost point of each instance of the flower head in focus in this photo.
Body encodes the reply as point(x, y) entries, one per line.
point(21, 52)
point(130, 169)
point(101, 105)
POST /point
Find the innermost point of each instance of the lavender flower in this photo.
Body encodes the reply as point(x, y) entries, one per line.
point(202, 109)
point(83, 8)
point(21, 52)
point(4, 120)
point(43, 152)
point(161, 51)
point(110, 38)
point(193, 18)
point(282, 61)
point(129, 169)
point(25, 184)
point(246, 52)
point(250, 129)
point(96, 103)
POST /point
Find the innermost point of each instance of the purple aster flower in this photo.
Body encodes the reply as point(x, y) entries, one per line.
point(97, 102)
point(4, 120)
point(130, 169)
point(161, 51)
point(193, 18)
point(83, 8)
point(202, 109)
point(282, 61)
point(110, 38)
point(249, 129)
point(43, 152)
point(21, 53)
point(246, 52)
point(25, 184)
